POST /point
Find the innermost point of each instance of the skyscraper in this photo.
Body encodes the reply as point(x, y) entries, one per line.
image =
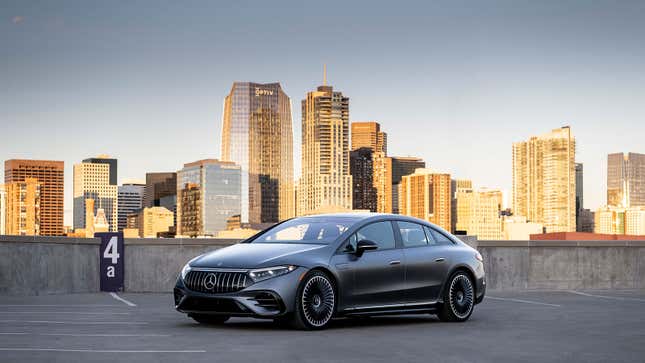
point(402, 166)
point(105, 159)
point(463, 205)
point(93, 180)
point(626, 180)
point(130, 200)
point(361, 168)
point(325, 183)
point(544, 180)
point(208, 193)
point(368, 134)
point(257, 135)
point(479, 212)
point(426, 195)
point(23, 208)
point(50, 176)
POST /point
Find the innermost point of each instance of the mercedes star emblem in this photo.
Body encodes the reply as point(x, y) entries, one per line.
point(210, 281)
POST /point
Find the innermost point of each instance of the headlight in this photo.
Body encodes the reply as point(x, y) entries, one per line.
point(269, 272)
point(185, 271)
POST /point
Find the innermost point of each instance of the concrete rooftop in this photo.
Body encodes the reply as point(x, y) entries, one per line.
point(571, 326)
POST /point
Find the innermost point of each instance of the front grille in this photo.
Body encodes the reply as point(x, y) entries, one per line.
point(216, 282)
point(214, 305)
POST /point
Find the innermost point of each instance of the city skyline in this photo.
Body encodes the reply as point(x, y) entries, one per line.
point(561, 67)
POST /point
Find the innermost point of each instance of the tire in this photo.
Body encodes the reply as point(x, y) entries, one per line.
point(209, 319)
point(459, 298)
point(315, 302)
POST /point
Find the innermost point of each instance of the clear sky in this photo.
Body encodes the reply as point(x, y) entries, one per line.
point(453, 82)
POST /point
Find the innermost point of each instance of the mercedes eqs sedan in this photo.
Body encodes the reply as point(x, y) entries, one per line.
point(309, 270)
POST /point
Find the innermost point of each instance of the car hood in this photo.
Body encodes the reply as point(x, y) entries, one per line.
point(256, 255)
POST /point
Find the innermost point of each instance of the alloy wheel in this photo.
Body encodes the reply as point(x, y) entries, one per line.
point(461, 296)
point(318, 301)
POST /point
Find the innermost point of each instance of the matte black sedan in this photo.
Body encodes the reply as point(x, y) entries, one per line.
point(308, 270)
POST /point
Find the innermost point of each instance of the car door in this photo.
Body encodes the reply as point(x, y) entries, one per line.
point(426, 262)
point(378, 275)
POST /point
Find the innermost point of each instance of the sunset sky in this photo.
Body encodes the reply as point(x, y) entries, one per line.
point(453, 82)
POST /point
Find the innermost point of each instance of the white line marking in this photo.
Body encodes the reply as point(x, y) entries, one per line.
point(61, 312)
point(66, 305)
point(97, 350)
point(605, 297)
point(114, 295)
point(89, 335)
point(522, 301)
point(73, 322)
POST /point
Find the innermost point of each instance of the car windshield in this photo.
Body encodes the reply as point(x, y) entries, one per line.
point(305, 230)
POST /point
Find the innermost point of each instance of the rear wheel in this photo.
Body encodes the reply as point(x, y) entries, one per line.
point(209, 319)
point(459, 298)
point(315, 302)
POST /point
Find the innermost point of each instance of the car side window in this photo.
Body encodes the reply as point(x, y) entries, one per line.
point(441, 238)
point(429, 236)
point(412, 234)
point(350, 245)
point(380, 233)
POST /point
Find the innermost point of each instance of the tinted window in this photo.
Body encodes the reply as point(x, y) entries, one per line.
point(431, 240)
point(441, 238)
point(380, 232)
point(304, 230)
point(412, 234)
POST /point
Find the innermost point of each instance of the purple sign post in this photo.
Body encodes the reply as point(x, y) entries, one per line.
point(111, 255)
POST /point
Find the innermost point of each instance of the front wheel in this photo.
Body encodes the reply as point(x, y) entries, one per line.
point(459, 298)
point(209, 319)
point(315, 302)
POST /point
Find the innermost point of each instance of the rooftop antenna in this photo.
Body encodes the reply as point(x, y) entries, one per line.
point(324, 74)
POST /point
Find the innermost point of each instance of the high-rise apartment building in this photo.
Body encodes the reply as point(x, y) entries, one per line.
point(361, 167)
point(208, 193)
point(325, 183)
point(626, 180)
point(51, 177)
point(130, 200)
point(544, 180)
point(478, 211)
point(426, 195)
point(93, 180)
point(23, 208)
point(257, 135)
point(402, 166)
point(3, 209)
point(105, 159)
point(369, 134)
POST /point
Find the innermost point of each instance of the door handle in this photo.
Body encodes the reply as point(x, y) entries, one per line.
point(396, 262)
point(440, 259)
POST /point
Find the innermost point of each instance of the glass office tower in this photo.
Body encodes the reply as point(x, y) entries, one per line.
point(257, 135)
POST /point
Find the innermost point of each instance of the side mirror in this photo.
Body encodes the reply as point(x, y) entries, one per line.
point(365, 245)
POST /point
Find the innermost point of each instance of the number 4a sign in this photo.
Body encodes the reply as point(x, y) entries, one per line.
point(111, 261)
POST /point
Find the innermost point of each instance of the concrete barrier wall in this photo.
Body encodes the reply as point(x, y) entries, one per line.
point(564, 265)
point(48, 265)
point(53, 265)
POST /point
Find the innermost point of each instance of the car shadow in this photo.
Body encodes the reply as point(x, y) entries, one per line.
point(339, 323)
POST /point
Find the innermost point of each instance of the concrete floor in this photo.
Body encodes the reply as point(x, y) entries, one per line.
point(589, 326)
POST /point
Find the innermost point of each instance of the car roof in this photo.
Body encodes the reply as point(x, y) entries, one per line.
point(360, 216)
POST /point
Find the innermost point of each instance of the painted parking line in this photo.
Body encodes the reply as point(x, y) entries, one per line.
point(64, 305)
point(75, 322)
point(62, 312)
point(117, 297)
point(88, 335)
point(96, 350)
point(620, 298)
point(523, 301)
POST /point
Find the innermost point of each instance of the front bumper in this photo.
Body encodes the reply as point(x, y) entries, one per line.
point(265, 299)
